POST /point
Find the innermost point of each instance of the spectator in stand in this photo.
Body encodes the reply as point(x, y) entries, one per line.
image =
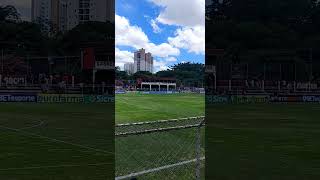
point(66, 78)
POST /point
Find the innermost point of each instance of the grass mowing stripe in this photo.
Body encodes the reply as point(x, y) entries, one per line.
point(152, 155)
point(138, 108)
point(55, 140)
point(54, 166)
point(34, 126)
point(158, 169)
point(88, 125)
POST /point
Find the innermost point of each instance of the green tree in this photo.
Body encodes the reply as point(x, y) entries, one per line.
point(186, 74)
point(23, 38)
point(86, 33)
point(9, 13)
point(121, 74)
point(142, 74)
point(165, 73)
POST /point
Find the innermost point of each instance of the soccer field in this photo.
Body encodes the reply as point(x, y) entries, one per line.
point(138, 153)
point(75, 141)
point(263, 141)
point(134, 107)
point(56, 141)
point(245, 141)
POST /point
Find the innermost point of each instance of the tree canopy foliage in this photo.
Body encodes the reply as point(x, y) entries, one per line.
point(28, 38)
point(254, 24)
point(186, 74)
point(9, 13)
point(260, 31)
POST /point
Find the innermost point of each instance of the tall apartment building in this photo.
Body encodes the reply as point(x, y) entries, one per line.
point(62, 21)
point(67, 14)
point(129, 68)
point(41, 12)
point(143, 61)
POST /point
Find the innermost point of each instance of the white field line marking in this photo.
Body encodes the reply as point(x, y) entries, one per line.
point(157, 169)
point(54, 166)
point(34, 126)
point(146, 110)
point(55, 140)
point(160, 121)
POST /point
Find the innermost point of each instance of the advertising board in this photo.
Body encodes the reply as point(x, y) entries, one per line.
point(14, 80)
point(249, 99)
point(241, 99)
point(310, 98)
point(120, 92)
point(213, 99)
point(156, 92)
point(17, 98)
point(60, 98)
point(285, 98)
point(98, 99)
point(73, 98)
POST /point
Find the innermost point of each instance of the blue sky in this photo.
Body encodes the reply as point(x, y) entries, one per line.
point(173, 31)
point(180, 35)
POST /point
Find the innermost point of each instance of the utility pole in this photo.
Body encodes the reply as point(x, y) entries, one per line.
point(310, 61)
point(2, 60)
point(264, 71)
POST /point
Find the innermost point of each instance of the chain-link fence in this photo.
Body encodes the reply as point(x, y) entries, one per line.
point(167, 149)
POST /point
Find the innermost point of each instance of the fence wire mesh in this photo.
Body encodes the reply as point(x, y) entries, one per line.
point(166, 149)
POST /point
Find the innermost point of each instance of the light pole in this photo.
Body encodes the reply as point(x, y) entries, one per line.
point(310, 61)
point(2, 59)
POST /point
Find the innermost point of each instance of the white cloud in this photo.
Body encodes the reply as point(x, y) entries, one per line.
point(122, 57)
point(155, 27)
point(189, 15)
point(190, 38)
point(133, 36)
point(162, 50)
point(171, 59)
point(181, 12)
point(159, 65)
point(128, 35)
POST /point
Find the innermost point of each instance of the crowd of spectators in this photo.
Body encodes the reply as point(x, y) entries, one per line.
point(255, 86)
point(55, 82)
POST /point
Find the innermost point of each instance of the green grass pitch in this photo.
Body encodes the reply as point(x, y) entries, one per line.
point(136, 153)
point(263, 141)
point(56, 141)
point(133, 107)
point(72, 141)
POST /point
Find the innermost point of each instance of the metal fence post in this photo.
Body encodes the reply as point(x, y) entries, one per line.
point(198, 146)
point(163, 165)
point(198, 151)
